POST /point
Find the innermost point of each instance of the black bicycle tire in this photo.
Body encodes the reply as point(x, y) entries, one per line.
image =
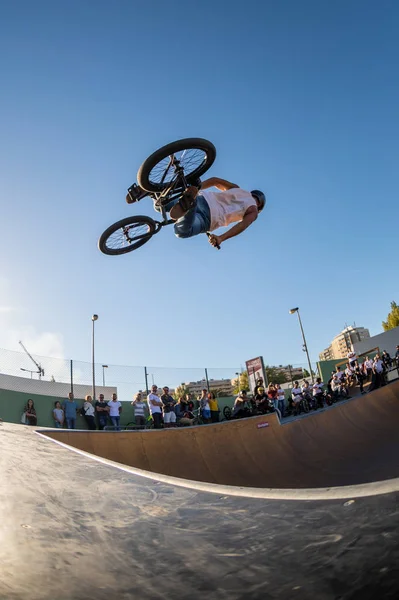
point(179, 145)
point(227, 413)
point(123, 223)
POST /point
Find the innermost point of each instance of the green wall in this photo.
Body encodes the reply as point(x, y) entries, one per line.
point(12, 405)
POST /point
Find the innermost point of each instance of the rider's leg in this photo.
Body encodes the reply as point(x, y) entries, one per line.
point(197, 220)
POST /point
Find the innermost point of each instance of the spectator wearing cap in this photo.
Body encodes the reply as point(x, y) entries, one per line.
point(259, 384)
point(260, 400)
point(102, 411)
point(168, 408)
point(155, 406)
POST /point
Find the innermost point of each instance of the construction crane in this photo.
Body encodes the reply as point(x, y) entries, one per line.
point(39, 371)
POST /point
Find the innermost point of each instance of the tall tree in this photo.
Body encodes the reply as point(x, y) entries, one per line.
point(181, 391)
point(241, 383)
point(274, 375)
point(392, 318)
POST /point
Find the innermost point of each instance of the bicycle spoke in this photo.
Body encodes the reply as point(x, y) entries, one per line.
point(124, 236)
point(190, 160)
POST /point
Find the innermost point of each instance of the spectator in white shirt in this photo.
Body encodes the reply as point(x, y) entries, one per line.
point(368, 367)
point(318, 392)
point(296, 397)
point(281, 399)
point(340, 374)
point(115, 409)
point(352, 358)
point(155, 407)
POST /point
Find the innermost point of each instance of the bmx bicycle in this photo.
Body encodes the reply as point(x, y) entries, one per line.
point(163, 176)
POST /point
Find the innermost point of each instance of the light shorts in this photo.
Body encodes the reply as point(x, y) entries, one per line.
point(169, 417)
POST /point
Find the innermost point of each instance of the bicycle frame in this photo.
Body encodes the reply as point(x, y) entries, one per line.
point(162, 198)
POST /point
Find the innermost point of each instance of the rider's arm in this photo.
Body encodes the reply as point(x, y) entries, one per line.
point(250, 216)
point(221, 184)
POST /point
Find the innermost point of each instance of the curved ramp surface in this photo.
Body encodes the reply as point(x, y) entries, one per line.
point(351, 443)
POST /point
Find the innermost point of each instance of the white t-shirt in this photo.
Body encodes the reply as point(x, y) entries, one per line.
point(340, 375)
point(317, 388)
point(351, 356)
point(153, 409)
point(368, 364)
point(295, 393)
point(306, 389)
point(114, 408)
point(227, 207)
point(379, 366)
point(280, 394)
point(89, 409)
point(349, 371)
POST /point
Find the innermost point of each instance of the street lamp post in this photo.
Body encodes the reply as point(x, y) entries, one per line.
point(104, 367)
point(93, 318)
point(305, 346)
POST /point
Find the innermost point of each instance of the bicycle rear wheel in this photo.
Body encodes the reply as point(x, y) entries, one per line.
point(194, 155)
point(227, 413)
point(127, 235)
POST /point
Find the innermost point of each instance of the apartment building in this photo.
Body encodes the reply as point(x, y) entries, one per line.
point(344, 342)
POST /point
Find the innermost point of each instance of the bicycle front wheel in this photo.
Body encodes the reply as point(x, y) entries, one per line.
point(194, 155)
point(127, 235)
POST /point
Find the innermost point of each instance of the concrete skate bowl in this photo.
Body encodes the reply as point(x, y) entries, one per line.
point(349, 450)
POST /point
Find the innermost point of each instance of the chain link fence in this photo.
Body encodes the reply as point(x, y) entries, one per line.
point(46, 375)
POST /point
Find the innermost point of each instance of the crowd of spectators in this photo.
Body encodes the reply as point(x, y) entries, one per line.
point(165, 411)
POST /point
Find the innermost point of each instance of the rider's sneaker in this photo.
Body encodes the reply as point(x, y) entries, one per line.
point(186, 202)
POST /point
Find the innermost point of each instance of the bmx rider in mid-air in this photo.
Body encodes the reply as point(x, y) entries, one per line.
point(202, 210)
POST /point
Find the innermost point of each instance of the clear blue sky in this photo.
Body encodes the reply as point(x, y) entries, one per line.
point(301, 100)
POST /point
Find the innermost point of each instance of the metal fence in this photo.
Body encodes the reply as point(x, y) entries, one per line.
point(127, 380)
